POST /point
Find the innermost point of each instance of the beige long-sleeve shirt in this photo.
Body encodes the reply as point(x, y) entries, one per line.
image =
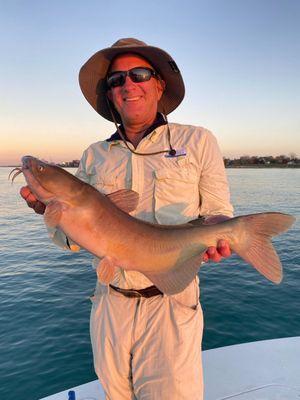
point(172, 190)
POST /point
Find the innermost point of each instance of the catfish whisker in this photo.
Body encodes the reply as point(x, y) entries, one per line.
point(15, 169)
point(19, 171)
point(16, 174)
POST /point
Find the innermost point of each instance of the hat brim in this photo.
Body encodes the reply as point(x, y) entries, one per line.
point(92, 78)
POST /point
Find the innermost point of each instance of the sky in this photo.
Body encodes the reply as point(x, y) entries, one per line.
point(240, 61)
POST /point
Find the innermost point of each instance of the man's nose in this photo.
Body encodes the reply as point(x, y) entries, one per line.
point(128, 82)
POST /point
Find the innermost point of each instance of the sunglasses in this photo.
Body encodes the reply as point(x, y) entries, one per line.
point(137, 75)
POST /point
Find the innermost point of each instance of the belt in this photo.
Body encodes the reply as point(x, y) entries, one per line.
point(147, 292)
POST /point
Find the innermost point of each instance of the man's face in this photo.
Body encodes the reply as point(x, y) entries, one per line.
point(135, 102)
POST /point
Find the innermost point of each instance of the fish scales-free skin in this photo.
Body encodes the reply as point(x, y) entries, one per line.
point(169, 256)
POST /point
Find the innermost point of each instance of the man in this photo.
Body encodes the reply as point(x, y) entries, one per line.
point(147, 345)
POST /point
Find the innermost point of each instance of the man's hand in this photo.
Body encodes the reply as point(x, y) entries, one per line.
point(222, 250)
point(217, 253)
point(32, 201)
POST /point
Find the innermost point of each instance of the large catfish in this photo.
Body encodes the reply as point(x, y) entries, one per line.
point(169, 255)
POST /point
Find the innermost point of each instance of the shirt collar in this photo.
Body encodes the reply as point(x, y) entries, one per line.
point(159, 121)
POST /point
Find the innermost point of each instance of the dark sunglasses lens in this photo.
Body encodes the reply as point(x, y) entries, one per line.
point(140, 74)
point(116, 79)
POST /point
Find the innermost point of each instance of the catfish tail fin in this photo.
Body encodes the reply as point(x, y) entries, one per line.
point(254, 243)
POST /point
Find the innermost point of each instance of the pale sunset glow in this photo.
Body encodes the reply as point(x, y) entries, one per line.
point(240, 63)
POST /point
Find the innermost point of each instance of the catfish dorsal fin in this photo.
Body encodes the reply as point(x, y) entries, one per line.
point(196, 222)
point(125, 199)
point(209, 220)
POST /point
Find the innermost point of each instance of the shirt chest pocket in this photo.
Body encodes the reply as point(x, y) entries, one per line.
point(108, 182)
point(176, 194)
point(111, 175)
point(105, 186)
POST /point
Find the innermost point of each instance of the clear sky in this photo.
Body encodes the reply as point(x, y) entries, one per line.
point(240, 60)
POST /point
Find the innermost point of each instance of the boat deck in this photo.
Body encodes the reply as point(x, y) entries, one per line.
point(264, 370)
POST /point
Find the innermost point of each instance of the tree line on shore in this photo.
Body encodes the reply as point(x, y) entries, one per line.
point(264, 161)
point(267, 161)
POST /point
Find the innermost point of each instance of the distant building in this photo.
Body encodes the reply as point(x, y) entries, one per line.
point(69, 164)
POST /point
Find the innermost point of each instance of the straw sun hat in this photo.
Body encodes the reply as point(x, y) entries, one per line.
point(92, 75)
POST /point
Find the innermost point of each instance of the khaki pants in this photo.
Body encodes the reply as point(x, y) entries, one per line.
point(148, 349)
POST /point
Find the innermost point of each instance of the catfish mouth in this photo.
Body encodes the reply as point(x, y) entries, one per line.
point(27, 164)
point(19, 170)
point(27, 161)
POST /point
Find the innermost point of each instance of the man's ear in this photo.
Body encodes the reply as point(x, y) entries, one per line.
point(161, 85)
point(109, 95)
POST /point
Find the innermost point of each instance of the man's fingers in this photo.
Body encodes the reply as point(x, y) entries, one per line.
point(211, 251)
point(31, 198)
point(213, 254)
point(205, 257)
point(32, 201)
point(216, 257)
point(39, 207)
point(217, 253)
point(223, 248)
point(27, 194)
point(24, 191)
point(31, 204)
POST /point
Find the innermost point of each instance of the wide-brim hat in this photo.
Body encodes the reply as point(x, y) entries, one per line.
point(92, 76)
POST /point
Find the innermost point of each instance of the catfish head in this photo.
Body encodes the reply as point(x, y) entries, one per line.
point(49, 182)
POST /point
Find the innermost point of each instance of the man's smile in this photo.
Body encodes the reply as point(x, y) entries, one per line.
point(135, 98)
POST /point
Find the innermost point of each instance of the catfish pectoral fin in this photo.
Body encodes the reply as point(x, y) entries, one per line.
point(125, 199)
point(53, 214)
point(106, 270)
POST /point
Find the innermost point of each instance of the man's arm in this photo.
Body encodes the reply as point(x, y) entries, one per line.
point(214, 193)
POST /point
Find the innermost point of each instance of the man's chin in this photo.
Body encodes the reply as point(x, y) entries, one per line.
point(137, 115)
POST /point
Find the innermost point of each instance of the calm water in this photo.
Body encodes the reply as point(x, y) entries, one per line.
point(44, 291)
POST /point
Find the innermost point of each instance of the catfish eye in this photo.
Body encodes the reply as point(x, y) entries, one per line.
point(40, 168)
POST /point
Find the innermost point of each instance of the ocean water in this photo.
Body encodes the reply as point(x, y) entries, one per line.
point(44, 291)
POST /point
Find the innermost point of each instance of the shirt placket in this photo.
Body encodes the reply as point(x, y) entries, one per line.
point(137, 167)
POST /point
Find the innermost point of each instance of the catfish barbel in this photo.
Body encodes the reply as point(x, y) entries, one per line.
point(168, 255)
